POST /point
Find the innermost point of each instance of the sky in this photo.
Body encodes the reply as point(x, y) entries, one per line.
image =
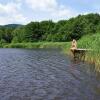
point(25, 11)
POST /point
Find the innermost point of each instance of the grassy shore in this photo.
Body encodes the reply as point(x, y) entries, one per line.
point(61, 45)
point(88, 42)
point(91, 42)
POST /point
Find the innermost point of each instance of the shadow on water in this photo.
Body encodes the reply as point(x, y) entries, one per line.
point(42, 74)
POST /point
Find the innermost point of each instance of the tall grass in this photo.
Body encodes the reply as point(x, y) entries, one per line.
point(61, 45)
point(91, 42)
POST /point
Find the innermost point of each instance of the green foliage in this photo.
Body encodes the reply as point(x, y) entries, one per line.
point(91, 42)
point(46, 34)
point(6, 34)
point(61, 31)
point(18, 35)
point(37, 45)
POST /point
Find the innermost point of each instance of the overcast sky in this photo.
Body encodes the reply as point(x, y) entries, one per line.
point(24, 11)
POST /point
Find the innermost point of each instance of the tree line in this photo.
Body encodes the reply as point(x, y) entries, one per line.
point(61, 31)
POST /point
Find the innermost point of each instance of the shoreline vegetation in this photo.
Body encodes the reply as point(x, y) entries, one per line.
point(48, 34)
point(87, 42)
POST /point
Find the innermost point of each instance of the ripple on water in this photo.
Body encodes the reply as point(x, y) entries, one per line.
point(39, 74)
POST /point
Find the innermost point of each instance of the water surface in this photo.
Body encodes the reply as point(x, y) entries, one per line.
point(38, 74)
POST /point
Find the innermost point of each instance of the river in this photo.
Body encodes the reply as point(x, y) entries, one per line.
point(46, 74)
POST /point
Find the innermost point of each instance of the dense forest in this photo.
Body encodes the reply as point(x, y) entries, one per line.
point(63, 30)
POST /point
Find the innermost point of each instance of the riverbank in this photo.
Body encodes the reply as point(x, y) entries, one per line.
point(37, 45)
point(87, 42)
point(91, 42)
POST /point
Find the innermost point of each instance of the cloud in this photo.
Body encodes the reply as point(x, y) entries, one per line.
point(51, 8)
point(63, 12)
point(10, 13)
point(42, 5)
point(9, 8)
point(33, 10)
point(24, 11)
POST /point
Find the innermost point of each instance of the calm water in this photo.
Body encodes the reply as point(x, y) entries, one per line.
point(38, 74)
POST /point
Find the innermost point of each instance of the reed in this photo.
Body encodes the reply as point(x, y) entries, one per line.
point(91, 42)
